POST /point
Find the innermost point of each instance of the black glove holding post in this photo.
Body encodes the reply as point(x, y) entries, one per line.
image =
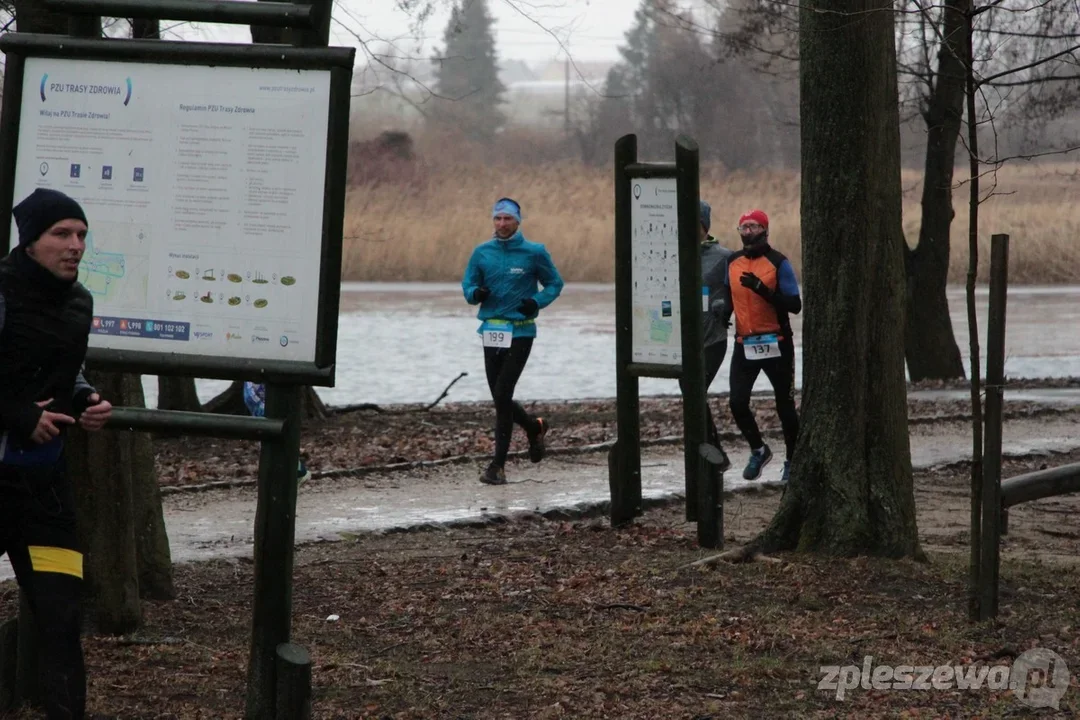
point(480, 294)
point(528, 307)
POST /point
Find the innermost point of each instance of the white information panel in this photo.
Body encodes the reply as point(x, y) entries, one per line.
point(203, 187)
point(654, 247)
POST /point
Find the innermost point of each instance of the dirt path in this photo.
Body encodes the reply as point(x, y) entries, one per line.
point(219, 523)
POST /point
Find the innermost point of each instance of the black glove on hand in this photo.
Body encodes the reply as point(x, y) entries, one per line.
point(480, 294)
point(528, 307)
point(752, 281)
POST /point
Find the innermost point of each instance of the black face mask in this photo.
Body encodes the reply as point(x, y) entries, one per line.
point(756, 245)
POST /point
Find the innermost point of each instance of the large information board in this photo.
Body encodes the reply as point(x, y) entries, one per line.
point(204, 190)
point(657, 334)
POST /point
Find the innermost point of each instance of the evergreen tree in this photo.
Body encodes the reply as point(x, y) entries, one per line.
point(467, 73)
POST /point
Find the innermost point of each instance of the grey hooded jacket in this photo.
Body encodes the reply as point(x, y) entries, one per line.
point(714, 262)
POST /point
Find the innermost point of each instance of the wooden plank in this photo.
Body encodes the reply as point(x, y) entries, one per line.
point(1040, 484)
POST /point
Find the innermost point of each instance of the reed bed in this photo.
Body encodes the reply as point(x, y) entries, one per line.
point(423, 228)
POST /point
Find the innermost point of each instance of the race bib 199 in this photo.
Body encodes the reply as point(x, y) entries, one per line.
point(761, 347)
point(498, 333)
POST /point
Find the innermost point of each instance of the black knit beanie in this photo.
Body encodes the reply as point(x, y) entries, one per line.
point(41, 210)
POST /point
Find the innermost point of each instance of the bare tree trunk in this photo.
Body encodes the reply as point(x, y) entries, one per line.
point(973, 319)
point(102, 467)
point(231, 402)
point(228, 402)
point(153, 558)
point(929, 342)
point(851, 490)
point(177, 393)
point(312, 405)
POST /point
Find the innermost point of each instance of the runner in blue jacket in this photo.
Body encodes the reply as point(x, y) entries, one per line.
point(502, 277)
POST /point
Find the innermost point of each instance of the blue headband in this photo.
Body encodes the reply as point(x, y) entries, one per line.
point(508, 206)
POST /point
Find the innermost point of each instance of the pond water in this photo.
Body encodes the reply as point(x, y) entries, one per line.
point(404, 342)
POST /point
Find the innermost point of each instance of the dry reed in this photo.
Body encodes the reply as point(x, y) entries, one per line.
point(424, 231)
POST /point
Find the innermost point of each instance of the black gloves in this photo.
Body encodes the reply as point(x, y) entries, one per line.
point(752, 281)
point(528, 307)
point(787, 303)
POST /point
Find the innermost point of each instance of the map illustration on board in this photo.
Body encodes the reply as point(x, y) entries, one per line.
point(116, 265)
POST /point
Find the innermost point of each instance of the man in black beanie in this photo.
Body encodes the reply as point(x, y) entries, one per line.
point(45, 318)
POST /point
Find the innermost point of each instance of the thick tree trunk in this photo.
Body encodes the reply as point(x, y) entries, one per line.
point(153, 558)
point(851, 490)
point(929, 343)
point(231, 402)
point(312, 405)
point(177, 393)
point(101, 466)
point(228, 402)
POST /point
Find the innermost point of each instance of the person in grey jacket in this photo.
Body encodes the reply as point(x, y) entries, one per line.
point(714, 261)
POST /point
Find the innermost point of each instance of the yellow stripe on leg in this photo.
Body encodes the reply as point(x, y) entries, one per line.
point(57, 560)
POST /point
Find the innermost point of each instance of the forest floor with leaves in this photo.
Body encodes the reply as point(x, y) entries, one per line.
point(573, 619)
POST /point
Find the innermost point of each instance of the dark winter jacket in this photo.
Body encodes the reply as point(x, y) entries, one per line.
point(44, 331)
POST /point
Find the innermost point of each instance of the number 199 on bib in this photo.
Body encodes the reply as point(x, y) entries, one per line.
point(498, 338)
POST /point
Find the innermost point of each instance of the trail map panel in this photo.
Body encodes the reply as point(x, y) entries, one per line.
point(656, 330)
point(204, 191)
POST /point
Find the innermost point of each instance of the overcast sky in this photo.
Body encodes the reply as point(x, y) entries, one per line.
point(591, 29)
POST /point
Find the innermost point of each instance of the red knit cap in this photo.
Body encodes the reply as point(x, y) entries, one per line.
point(757, 216)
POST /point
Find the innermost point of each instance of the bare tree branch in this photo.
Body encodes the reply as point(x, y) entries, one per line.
point(1028, 66)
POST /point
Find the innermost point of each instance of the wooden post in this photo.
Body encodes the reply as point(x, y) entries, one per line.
point(624, 467)
point(275, 531)
point(293, 683)
point(995, 393)
point(693, 357)
point(710, 506)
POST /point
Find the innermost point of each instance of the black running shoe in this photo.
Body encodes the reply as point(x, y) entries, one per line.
point(757, 462)
point(494, 475)
point(537, 448)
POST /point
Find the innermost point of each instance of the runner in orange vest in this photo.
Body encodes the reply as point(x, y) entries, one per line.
point(762, 292)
